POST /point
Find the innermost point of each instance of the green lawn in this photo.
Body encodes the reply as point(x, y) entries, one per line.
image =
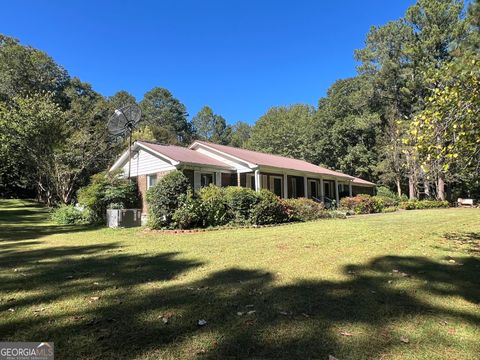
point(393, 286)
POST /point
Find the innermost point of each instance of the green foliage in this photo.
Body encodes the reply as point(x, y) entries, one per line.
point(386, 192)
point(423, 204)
point(166, 117)
point(190, 213)
point(303, 209)
point(268, 210)
point(240, 134)
point(285, 130)
point(29, 134)
point(211, 127)
point(107, 190)
point(70, 215)
point(215, 210)
point(165, 197)
point(240, 201)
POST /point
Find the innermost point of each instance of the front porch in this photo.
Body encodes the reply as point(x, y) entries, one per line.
point(285, 184)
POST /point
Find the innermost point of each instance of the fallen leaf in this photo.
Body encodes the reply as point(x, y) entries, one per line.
point(202, 322)
point(11, 310)
point(346, 333)
point(251, 312)
point(306, 315)
point(331, 357)
point(283, 313)
point(249, 306)
point(240, 313)
point(94, 298)
point(69, 277)
point(451, 261)
point(404, 340)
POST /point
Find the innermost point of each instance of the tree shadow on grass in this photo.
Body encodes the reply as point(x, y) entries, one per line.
point(135, 306)
point(31, 221)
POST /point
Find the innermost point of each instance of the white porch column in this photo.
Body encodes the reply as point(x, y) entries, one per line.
point(337, 193)
point(322, 190)
point(238, 179)
point(218, 179)
point(285, 186)
point(257, 181)
point(350, 189)
point(305, 187)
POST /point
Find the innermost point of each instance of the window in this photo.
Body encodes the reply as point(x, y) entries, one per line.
point(276, 185)
point(250, 181)
point(313, 188)
point(206, 179)
point(151, 180)
point(294, 187)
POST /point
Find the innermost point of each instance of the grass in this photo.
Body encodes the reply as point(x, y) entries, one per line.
point(394, 286)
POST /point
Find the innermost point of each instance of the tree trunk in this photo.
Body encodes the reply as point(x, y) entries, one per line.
point(426, 185)
point(441, 186)
point(399, 187)
point(411, 187)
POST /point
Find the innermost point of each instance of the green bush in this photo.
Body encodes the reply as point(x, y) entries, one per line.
point(70, 215)
point(268, 210)
point(189, 214)
point(214, 206)
point(386, 192)
point(107, 190)
point(239, 202)
point(165, 198)
point(423, 204)
point(303, 209)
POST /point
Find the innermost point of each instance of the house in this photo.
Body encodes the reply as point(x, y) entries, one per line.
point(205, 163)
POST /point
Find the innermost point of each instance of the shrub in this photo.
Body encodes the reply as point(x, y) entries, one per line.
point(214, 206)
point(239, 202)
point(69, 215)
point(386, 192)
point(303, 209)
point(360, 204)
point(165, 197)
point(423, 204)
point(268, 210)
point(107, 190)
point(189, 214)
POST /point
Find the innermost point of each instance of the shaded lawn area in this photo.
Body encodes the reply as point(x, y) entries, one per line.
point(395, 286)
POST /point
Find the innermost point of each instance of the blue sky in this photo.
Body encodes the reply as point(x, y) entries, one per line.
point(239, 57)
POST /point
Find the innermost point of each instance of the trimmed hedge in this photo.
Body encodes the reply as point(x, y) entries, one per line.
point(423, 204)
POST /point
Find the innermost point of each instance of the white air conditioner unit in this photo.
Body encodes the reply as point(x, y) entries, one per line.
point(124, 218)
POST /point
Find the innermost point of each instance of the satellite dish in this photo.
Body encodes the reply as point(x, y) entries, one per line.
point(122, 123)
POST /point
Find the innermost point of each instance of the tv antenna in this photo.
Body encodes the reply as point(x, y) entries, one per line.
point(122, 123)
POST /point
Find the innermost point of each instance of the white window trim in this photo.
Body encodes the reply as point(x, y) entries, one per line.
point(149, 176)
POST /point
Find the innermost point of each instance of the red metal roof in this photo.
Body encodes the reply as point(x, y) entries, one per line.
point(276, 161)
point(183, 154)
point(362, 182)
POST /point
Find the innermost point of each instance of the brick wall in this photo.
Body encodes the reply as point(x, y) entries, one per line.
point(142, 189)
